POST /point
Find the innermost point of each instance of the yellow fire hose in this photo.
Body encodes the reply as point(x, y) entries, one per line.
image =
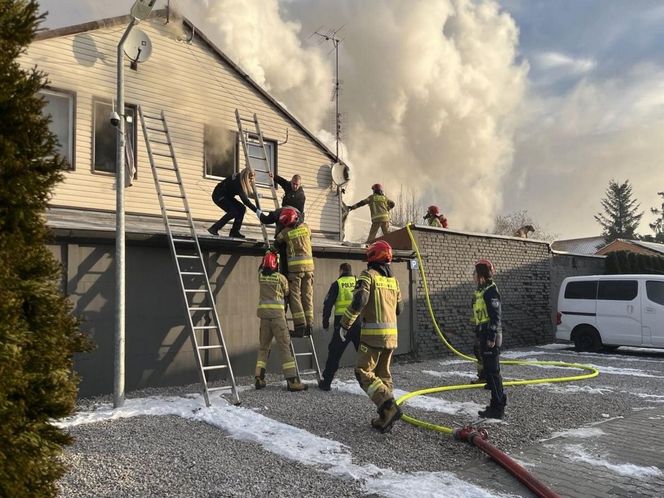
point(592, 372)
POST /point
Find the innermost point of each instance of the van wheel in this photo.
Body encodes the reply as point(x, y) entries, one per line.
point(587, 339)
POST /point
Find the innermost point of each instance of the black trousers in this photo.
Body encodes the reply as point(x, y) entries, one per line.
point(491, 364)
point(336, 348)
point(234, 211)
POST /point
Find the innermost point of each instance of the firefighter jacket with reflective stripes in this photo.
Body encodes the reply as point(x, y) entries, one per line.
point(297, 241)
point(379, 205)
point(487, 311)
point(273, 290)
point(433, 221)
point(339, 295)
point(378, 299)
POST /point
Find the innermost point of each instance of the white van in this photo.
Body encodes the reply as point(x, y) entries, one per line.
point(607, 311)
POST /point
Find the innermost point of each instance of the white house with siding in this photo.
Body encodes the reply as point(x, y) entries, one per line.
point(199, 88)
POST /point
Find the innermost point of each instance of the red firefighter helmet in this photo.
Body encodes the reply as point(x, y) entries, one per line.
point(433, 210)
point(270, 261)
point(289, 216)
point(377, 187)
point(486, 263)
point(379, 252)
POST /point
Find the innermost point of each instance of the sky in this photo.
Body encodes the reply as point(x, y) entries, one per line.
point(482, 107)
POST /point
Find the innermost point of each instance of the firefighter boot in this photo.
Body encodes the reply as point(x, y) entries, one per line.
point(299, 331)
point(324, 385)
point(260, 380)
point(294, 384)
point(494, 410)
point(390, 413)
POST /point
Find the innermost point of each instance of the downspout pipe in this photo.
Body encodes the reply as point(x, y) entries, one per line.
point(480, 439)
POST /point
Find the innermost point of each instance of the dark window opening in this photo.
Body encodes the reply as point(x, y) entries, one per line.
point(618, 290)
point(105, 141)
point(581, 290)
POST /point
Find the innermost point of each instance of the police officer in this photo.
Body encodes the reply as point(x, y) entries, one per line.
point(380, 206)
point(377, 299)
point(296, 239)
point(487, 319)
point(338, 296)
point(273, 291)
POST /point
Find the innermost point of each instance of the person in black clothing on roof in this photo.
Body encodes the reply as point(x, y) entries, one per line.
point(224, 197)
point(339, 296)
point(293, 192)
point(487, 319)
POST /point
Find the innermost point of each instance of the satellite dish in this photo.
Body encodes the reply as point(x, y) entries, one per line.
point(138, 46)
point(340, 174)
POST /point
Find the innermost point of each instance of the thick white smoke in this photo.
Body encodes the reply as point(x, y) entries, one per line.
point(430, 89)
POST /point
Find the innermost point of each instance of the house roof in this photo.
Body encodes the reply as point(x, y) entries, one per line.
point(651, 246)
point(164, 13)
point(583, 245)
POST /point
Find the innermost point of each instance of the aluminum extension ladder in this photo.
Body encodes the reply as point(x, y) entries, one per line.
point(204, 326)
point(256, 158)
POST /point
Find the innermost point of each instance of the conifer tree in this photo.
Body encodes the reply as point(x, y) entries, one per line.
point(657, 226)
point(37, 331)
point(621, 217)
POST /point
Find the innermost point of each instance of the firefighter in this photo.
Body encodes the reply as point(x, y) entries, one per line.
point(296, 239)
point(239, 184)
point(338, 296)
point(434, 218)
point(380, 206)
point(378, 300)
point(272, 312)
point(487, 319)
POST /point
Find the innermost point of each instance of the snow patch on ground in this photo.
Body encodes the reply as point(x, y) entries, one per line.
point(290, 442)
point(577, 453)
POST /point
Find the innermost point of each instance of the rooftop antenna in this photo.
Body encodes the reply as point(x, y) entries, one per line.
point(331, 35)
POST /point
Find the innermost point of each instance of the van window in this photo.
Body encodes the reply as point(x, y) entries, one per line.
point(586, 289)
point(655, 291)
point(618, 290)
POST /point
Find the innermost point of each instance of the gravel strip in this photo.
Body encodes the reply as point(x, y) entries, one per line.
point(169, 456)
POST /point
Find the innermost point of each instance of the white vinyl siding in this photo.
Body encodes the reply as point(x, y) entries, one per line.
point(194, 87)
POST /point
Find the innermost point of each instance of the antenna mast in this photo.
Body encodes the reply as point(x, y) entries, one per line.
point(331, 35)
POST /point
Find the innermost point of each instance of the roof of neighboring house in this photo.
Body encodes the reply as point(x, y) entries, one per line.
point(114, 21)
point(584, 245)
point(650, 246)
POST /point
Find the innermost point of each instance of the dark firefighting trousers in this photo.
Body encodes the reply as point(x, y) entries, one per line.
point(336, 348)
point(491, 362)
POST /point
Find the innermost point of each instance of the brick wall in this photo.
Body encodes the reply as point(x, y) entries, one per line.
point(527, 276)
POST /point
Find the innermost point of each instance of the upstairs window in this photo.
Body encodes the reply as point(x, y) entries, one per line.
point(105, 143)
point(220, 152)
point(60, 106)
point(254, 149)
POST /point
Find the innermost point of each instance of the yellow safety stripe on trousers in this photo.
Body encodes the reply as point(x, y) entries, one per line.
point(300, 261)
point(375, 385)
point(590, 371)
point(288, 365)
point(299, 314)
point(365, 331)
point(380, 217)
point(261, 364)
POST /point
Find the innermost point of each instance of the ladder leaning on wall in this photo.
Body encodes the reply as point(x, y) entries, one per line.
point(202, 318)
point(256, 159)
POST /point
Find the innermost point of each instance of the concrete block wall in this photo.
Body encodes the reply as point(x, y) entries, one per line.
point(523, 278)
